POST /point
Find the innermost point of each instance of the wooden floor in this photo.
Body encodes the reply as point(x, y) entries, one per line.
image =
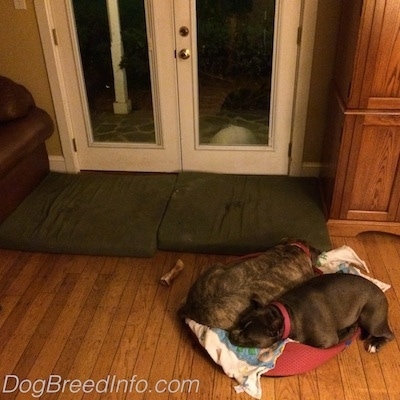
point(98, 319)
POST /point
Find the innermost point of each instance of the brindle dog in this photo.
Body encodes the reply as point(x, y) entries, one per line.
point(220, 295)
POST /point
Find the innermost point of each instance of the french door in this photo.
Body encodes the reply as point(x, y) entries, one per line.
point(248, 131)
point(205, 86)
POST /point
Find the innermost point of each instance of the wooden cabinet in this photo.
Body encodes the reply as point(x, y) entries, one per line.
point(361, 165)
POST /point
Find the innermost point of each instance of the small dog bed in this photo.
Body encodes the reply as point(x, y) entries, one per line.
point(299, 358)
point(286, 357)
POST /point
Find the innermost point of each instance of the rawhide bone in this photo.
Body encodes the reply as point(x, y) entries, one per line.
point(173, 273)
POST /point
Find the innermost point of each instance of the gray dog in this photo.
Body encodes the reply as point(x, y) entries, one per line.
point(319, 313)
point(223, 292)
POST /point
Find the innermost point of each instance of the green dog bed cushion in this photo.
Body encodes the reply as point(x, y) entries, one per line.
point(237, 214)
point(98, 214)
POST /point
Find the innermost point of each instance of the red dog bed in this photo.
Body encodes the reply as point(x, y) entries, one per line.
point(298, 358)
point(247, 365)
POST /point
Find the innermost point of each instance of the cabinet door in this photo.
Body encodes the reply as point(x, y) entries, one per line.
point(376, 75)
point(331, 176)
point(372, 188)
point(351, 50)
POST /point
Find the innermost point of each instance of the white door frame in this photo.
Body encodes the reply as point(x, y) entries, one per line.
point(63, 114)
point(301, 91)
point(57, 84)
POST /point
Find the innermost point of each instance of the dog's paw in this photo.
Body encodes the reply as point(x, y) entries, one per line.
point(372, 348)
point(374, 344)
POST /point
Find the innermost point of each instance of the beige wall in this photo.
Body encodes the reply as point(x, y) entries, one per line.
point(22, 60)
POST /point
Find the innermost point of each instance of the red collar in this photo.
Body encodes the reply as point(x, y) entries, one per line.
point(302, 247)
point(286, 319)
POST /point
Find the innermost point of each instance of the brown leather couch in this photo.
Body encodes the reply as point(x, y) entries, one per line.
point(23, 156)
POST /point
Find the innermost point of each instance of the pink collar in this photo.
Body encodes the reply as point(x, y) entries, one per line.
point(302, 247)
point(286, 319)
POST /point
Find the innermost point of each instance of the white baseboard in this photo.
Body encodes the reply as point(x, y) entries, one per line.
point(57, 164)
point(311, 169)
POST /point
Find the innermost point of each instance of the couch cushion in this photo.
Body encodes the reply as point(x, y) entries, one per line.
point(20, 137)
point(15, 100)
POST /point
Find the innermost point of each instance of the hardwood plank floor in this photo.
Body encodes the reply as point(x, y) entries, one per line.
point(107, 320)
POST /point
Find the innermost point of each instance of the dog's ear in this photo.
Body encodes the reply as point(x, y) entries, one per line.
point(256, 302)
point(274, 321)
point(277, 326)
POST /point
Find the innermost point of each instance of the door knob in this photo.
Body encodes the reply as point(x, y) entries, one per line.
point(184, 54)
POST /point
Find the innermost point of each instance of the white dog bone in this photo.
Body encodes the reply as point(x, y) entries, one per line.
point(173, 273)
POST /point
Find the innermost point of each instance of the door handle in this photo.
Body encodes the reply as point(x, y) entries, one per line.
point(184, 54)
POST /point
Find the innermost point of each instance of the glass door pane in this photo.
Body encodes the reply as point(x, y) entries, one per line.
point(235, 50)
point(116, 73)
